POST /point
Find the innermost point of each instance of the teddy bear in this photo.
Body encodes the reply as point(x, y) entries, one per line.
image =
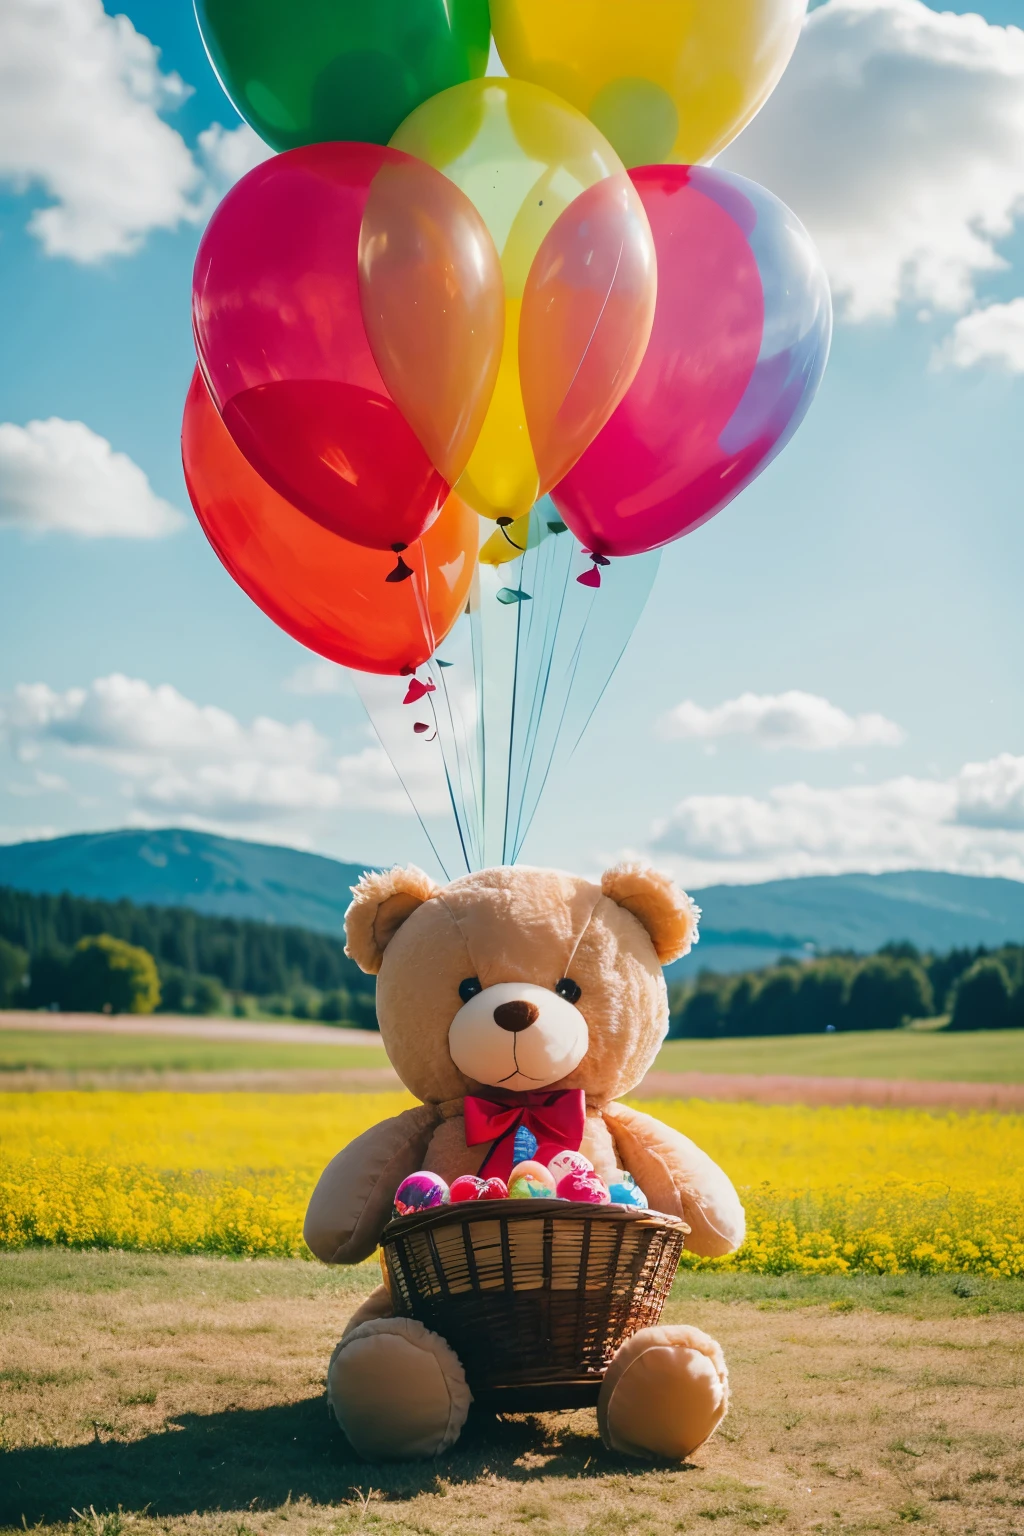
point(518, 996)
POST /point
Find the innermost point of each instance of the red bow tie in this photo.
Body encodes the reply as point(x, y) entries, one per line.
point(556, 1119)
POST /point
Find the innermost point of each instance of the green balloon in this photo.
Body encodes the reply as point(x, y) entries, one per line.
point(306, 71)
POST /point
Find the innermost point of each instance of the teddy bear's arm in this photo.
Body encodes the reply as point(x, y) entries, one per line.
point(351, 1204)
point(679, 1179)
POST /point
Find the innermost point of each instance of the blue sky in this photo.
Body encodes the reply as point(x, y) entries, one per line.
point(828, 676)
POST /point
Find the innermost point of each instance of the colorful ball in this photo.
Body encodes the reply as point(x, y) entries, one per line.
point(469, 1187)
point(524, 1147)
point(497, 1189)
point(531, 1181)
point(420, 1192)
point(624, 1190)
point(569, 1162)
point(583, 1188)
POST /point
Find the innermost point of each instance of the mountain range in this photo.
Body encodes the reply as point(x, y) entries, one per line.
point(743, 925)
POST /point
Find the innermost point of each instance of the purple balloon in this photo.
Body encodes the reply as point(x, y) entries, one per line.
point(740, 341)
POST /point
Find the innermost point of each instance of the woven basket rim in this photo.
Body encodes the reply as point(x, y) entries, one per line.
point(526, 1210)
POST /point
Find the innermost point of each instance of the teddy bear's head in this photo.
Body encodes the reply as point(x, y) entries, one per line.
point(520, 979)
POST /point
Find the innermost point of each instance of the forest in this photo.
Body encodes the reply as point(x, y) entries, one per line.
point(205, 964)
point(77, 954)
point(976, 988)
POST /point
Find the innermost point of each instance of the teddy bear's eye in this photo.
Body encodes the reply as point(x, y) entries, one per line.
point(469, 988)
point(569, 989)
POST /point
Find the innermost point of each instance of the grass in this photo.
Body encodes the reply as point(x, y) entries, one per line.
point(147, 1396)
point(26, 1050)
point(989, 1056)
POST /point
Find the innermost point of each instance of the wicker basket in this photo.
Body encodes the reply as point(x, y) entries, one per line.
point(534, 1296)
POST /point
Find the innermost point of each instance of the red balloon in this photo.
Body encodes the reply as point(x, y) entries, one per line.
point(278, 316)
point(331, 595)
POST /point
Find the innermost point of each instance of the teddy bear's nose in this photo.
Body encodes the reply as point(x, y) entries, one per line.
point(516, 1016)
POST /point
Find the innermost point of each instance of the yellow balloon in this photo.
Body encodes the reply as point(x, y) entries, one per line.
point(664, 80)
point(521, 156)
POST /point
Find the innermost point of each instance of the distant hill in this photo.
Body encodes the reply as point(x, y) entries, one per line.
point(217, 875)
point(743, 926)
point(749, 925)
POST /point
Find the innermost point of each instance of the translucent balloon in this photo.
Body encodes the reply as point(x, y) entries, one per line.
point(495, 717)
point(662, 79)
point(576, 323)
point(297, 295)
point(329, 594)
point(740, 342)
point(306, 71)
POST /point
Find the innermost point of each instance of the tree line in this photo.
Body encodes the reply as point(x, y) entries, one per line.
point(977, 988)
point(202, 964)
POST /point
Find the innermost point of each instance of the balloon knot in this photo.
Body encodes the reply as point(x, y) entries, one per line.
point(417, 691)
point(401, 572)
point(592, 578)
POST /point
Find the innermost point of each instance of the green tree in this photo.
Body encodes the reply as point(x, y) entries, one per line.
point(105, 974)
point(982, 999)
point(13, 971)
point(772, 1008)
point(885, 992)
point(823, 997)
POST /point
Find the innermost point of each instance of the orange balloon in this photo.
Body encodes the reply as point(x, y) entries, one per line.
point(433, 302)
point(588, 312)
point(340, 599)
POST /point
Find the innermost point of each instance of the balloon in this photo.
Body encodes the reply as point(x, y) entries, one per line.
point(740, 341)
point(662, 79)
point(306, 71)
point(330, 595)
point(580, 276)
point(335, 288)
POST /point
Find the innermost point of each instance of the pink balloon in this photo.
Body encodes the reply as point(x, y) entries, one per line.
point(741, 336)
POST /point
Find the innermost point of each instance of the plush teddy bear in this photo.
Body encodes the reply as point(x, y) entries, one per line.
point(518, 996)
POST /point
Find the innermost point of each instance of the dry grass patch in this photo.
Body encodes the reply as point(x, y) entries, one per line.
point(141, 1395)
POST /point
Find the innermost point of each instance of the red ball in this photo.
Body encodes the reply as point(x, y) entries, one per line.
point(497, 1189)
point(585, 1188)
point(469, 1187)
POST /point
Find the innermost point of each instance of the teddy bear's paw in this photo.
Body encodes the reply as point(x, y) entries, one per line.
point(398, 1391)
point(665, 1393)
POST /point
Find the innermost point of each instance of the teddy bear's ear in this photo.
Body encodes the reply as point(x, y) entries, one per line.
point(381, 902)
point(668, 914)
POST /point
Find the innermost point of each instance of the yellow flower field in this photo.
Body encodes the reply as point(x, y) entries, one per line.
point(826, 1190)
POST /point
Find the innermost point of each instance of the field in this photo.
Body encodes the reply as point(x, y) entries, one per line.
point(30, 1051)
point(995, 1056)
point(149, 1396)
point(826, 1189)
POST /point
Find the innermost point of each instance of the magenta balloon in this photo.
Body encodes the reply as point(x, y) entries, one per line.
point(278, 321)
point(741, 336)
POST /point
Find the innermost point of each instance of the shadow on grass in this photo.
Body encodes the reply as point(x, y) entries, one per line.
point(258, 1458)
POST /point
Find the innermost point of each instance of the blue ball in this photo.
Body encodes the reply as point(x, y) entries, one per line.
point(524, 1147)
point(628, 1194)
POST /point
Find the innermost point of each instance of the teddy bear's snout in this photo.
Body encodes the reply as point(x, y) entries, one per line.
point(518, 1035)
point(516, 1016)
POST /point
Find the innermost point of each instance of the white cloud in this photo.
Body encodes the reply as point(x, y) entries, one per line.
point(81, 101)
point(897, 136)
point(318, 679)
point(972, 823)
point(791, 719)
point(81, 94)
point(227, 154)
point(994, 335)
point(60, 475)
point(175, 759)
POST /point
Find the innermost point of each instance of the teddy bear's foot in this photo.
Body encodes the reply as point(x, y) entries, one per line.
point(398, 1391)
point(665, 1393)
